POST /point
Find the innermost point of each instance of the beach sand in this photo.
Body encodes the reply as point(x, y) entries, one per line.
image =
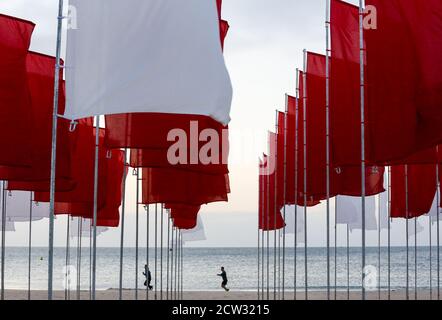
point(112, 294)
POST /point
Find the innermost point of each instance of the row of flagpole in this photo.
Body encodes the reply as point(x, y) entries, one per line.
point(261, 258)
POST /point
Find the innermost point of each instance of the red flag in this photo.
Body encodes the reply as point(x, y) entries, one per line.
point(15, 118)
point(185, 217)
point(40, 79)
point(421, 190)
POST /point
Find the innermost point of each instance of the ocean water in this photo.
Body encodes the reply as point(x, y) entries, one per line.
point(201, 266)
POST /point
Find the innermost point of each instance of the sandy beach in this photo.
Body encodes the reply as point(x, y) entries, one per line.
point(112, 294)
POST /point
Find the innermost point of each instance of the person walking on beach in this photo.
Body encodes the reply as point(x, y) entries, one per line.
point(223, 275)
point(148, 276)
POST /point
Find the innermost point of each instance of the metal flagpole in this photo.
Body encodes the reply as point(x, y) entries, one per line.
point(389, 232)
point(327, 138)
point(362, 89)
point(176, 264)
point(54, 151)
point(172, 252)
point(275, 206)
point(78, 257)
point(137, 229)
point(348, 262)
point(179, 265)
point(30, 247)
point(285, 192)
point(3, 240)
point(379, 247)
point(147, 246)
point(259, 206)
point(305, 174)
point(161, 253)
point(336, 249)
point(407, 232)
point(279, 264)
point(94, 242)
point(296, 186)
point(261, 230)
point(431, 255)
point(123, 216)
point(415, 258)
point(438, 231)
point(182, 266)
point(268, 231)
point(67, 284)
point(168, 255)
point(156, 251)
point(90, 260)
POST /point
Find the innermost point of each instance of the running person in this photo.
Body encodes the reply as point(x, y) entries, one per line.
point(223, 275)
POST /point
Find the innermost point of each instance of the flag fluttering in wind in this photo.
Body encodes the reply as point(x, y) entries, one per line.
point(175, 64)
point(15, 117)
point(195, 234)
point(18, 207)
point(350, 212)
point(86, 229)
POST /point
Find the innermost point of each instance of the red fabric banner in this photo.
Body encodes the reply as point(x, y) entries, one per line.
point(184, 217)
point(15, 117)
point(421, 181)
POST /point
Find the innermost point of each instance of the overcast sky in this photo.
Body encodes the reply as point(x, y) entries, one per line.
point(263, 49)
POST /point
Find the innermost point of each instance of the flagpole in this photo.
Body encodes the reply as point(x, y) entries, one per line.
point(176, 264)
point(30, 247)
point(156, 251)
point(438, 230)
point(161, 253)
point(379, 247)
point(90, 259)
point(54, 151)
point(94, 243)
point(123, 216)
point(78, 256)
point(172, 261)
point(327, 138)
point(182, 266)
point(275, 206)
point(147, 207)
point(259, 230)
point(137, 229)
point(389, 232)
point(296, 183)
point(415, 258)
point(336, 249)
point(285, 191)
point(407, 231)
point(67, 285)
point(262, 231)
point(431, 253)
point(362, 89)
point(348, 262)
point(168, 255)
point(3, 239)
point(305, 174)
point(268, 228)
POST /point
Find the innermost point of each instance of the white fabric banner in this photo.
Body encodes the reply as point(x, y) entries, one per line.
point(160, 56)
point(196, 234)
point(86, 229)
point(18, 205)
point(290, 223)
point(382, 210)
point(350, 212)
point(433, 211)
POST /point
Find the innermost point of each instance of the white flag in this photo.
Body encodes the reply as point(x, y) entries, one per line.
point(18, 205)
point(195, 234)
point(383, 215)
point(350, 212)
point(160, 56)
point(414, 229)
point(290, 223)
point(434, 209)
point(86, 229)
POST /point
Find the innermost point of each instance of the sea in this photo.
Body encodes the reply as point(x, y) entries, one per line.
point(201, 266)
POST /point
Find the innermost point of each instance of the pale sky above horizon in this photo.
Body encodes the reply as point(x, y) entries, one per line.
point(262, 51)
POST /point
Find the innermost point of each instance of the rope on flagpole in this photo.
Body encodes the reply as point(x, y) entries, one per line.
point(362, 90)
point(327, 139)
point(123, 216)
point(94, 243)
point(30, 247)
point(137, 227)
point(2, 294)
point(54, 151)
point(305, 174)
